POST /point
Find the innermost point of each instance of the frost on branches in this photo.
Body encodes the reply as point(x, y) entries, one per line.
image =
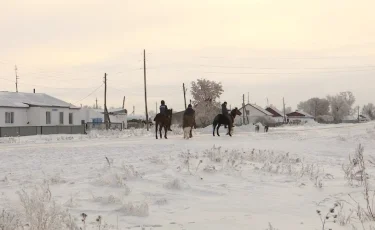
point(205, 95)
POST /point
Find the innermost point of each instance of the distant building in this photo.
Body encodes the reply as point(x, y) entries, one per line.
point(36, 109)
point(89, 115)
point(253, 114)
point(277, 115)
point(299, 117)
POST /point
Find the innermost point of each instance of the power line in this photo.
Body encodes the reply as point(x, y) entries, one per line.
point(89, 94)
point(316, 72)
point(249, 67)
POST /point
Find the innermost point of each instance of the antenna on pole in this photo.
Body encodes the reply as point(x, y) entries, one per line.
point(15, 70)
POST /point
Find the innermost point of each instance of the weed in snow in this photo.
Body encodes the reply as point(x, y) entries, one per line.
point(329, 217)
point(9, 221)
point(40, 211)
point(176, 184)
point(130, 209)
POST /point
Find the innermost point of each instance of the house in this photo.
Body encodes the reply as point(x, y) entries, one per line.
point(36, 109)
point(354, 119)
point(299, 116)
point(253, 114)
point(277, 115)
point(96, 117)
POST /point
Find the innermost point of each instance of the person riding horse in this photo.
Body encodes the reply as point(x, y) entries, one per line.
point(225, 112)
point(163, 110)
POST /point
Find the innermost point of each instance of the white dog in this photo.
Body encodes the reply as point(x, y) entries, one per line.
point(187, 132)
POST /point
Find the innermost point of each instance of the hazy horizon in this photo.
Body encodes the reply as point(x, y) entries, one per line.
point(293, 49)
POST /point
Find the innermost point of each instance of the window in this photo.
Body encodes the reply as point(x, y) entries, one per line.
point(70, 118)
point(9, 117)
point(48, 118)
point(61, 118)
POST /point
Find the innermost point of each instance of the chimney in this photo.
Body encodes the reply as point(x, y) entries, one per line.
point(34, 90)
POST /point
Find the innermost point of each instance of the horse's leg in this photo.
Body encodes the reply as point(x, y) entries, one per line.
point(217, 130)
point(156, 129)
point(230, 130)
point(191, 132)
point(166, 130)
point(161, 126)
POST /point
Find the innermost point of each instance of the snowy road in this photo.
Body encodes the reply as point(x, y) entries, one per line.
point(154, 173)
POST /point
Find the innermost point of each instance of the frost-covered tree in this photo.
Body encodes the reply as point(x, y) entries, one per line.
point(205, 95)
point(341, 105)
point(204, 90)
point(288, 110)
point(315, 106)
point(369, 111)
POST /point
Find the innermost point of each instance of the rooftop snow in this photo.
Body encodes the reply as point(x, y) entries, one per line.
point(24, 100)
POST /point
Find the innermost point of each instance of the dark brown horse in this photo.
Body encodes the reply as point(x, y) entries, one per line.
point(220, 119)
point(188, 122)
point(163, 121)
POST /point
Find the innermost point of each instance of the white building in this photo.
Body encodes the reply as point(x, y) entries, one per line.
point(252, 114)
point(97, 116)
point(299, 117)
point(36, 109)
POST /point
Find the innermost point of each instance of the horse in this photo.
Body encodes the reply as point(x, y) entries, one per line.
point(221, 119)
point(164, 121)
point(188, 122)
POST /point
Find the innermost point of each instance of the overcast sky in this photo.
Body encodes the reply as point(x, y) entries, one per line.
point(272, 49)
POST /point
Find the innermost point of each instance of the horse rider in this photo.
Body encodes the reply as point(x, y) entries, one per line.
point(225, 112)
point(163, 110)
point(189, 110)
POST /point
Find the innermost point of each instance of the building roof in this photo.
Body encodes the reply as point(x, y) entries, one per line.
point(25, 100)
point(257, 107)
point(274, 111)
point(299, 113)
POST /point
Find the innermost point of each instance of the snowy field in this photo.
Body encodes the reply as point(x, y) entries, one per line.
point(133, 181)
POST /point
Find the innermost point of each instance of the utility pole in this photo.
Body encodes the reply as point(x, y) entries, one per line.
point(106, 120)
point(243, 103)
point(248, 98)
point(156, 107)
point(267, 102)
point(144, 75)
point(123, 103)
point(284, 110)
point(15, 69)
point(96, 103)
point(358, 114)
point(183, 88)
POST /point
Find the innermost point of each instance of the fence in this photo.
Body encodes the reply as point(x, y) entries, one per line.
point(41, 130)
point(102, 126)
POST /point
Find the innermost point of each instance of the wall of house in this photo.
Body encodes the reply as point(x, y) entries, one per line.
point(20, 116)
point(37, 116)
point(250, 118)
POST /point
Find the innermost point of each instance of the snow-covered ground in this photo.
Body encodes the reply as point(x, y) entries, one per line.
point(242, 182)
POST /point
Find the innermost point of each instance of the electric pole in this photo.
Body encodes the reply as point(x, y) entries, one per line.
point(15, 70)
point(144, 75)
point(248, 98)
point(156, 107)
point(243, 103)
point(183, 88)
point(358, 114)
point(105, 102)
point(96, 103)
point(123, 103)
point(284, 110)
